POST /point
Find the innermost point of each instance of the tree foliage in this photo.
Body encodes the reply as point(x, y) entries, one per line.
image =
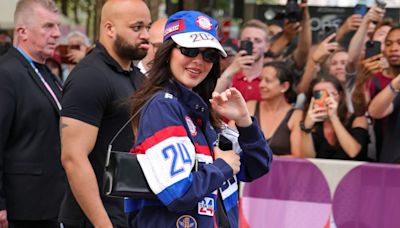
point(82, 12)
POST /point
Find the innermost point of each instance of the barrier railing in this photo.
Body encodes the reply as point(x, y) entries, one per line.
point(308, 193)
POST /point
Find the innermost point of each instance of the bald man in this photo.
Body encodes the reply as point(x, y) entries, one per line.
point(95, 107)
point(156, 33)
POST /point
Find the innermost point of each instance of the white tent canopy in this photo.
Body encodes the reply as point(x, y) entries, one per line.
point(7, 8)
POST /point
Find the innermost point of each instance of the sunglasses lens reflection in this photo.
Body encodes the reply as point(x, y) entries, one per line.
point(209, 55)
point(190, 52)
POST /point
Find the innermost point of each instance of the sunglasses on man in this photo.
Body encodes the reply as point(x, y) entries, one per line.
point(210, 55)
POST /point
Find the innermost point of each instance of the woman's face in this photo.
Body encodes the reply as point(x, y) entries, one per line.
point(329, 87)
point(338, 64)
point(270, 86)
point(190, 71)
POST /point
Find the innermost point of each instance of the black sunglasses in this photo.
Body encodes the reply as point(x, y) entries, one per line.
point(210, 55)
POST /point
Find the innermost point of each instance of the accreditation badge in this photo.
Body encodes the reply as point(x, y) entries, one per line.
point(206, 206)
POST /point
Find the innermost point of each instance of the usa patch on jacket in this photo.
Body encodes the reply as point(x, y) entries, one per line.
point(186, 221)
point(206, 206)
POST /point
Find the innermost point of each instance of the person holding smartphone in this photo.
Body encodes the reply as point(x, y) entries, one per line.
point(362, 35)
point(386, 104)
point(245, 70)
point(328, 129)
point(373, 77)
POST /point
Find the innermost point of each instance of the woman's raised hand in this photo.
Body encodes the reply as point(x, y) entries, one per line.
point(332, 105)
point(231, 104)
point(324, 49)
point(315, 114)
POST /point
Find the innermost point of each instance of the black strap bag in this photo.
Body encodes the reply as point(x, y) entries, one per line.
point(123, 175)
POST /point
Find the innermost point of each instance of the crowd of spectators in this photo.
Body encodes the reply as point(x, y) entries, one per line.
point(323, 105)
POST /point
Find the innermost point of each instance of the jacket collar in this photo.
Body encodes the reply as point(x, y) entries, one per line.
point(190, 98)
point(26, 64)
point(106, 57)
point(134, 73)
point(197, 109)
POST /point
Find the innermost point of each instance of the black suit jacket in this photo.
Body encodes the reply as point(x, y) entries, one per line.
point(32, 180)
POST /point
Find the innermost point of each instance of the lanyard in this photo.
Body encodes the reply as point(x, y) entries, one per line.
point(49, 89)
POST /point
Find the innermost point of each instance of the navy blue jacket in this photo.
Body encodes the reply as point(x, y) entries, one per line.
point(175, 150)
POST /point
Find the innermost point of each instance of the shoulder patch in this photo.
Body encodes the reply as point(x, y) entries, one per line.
point(186, 221)
point(168, 96)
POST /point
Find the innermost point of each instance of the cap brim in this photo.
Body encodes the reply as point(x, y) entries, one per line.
point(189, 40)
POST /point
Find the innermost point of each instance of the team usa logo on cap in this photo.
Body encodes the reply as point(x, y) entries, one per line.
point(193, 29)
point(204, 23)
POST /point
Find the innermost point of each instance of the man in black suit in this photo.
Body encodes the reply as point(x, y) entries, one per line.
point(32, 180)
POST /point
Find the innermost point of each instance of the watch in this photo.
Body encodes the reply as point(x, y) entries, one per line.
point(303, 128)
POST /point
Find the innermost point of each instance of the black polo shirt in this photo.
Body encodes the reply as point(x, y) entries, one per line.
point(97, 92)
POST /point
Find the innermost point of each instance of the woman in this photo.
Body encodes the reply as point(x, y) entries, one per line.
point(328, 129)
point(274, 113)
point(177, 131)
point(337, 63)
point(337, 67)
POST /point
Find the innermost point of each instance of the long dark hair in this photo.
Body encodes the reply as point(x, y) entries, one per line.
point(160, 76)
point(342, 110)
point(284, 74)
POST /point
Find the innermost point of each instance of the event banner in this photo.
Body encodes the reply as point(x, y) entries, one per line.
point(322, 20)
point(308, 193)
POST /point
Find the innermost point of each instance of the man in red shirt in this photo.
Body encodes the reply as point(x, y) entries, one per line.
point(385, 105)
point(391, 52)
point(246, 69)
point(383, 77)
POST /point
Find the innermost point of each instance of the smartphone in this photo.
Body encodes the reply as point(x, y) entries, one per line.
point(360, 9)
point(372, 48)
point(246, 45)
point(223, 143)
point(319, 98)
